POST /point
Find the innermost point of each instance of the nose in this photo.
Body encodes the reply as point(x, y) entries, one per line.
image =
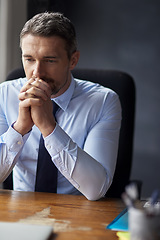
point(37, 71)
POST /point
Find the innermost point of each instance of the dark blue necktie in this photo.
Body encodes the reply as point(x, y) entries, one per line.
point(46, 176)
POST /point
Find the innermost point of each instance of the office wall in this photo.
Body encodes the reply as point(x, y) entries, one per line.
point(12, 17)
point(124, 35)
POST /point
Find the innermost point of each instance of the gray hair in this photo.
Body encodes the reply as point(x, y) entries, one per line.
point(52, 24)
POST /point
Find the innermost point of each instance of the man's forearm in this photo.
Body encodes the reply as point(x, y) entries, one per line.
point(11, 144)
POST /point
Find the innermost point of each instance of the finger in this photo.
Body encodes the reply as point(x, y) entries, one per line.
point(44, 86)
point(27, 85)
point(24, 95)
point(39, 83)
point(36, 92)
point(33, 94)
point(31, 102)
point(33, 89)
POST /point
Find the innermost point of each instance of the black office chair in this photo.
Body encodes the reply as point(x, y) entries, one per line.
point(123, 85)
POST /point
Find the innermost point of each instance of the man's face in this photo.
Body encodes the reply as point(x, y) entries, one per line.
point(46, 58)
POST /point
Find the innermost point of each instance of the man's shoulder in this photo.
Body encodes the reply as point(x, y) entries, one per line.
point(89, 87)
point(16, 83)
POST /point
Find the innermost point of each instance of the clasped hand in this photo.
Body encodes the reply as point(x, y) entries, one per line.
point(35, 107)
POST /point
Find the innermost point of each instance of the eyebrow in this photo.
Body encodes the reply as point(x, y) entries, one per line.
point(25, 55)
point(45, 57)
point(50, 57)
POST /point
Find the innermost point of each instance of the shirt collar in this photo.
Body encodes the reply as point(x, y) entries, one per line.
point(63, 100)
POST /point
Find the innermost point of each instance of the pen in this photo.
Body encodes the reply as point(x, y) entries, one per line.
point(151, 207)
point(154, 197)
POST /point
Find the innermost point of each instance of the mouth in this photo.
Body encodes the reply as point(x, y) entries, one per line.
point(48, 80)
point(51, 83)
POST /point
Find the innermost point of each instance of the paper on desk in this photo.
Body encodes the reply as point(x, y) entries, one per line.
point(120, 223)
point(19, 231)
point(123, 235)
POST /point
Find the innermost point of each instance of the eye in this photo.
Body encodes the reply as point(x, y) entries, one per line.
point(50, 60)
point(29, 60)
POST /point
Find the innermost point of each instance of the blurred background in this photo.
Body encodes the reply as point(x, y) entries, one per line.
point(112, 34)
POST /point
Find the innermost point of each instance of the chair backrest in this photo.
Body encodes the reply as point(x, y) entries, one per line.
point(123, 84)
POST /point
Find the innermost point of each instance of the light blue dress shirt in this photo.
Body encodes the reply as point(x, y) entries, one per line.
point(83, 145)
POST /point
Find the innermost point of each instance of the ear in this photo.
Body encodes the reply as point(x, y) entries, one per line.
point(74, 59)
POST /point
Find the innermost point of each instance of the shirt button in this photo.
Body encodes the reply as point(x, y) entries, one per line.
point(48, 146)
point(19, 142)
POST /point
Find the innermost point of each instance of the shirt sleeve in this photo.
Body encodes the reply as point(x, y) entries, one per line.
point(11, 144)
point(90, 169)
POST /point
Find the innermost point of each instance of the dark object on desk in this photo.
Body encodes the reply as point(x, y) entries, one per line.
point(123, 85)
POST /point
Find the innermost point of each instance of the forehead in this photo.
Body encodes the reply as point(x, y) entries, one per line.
point(38, 43)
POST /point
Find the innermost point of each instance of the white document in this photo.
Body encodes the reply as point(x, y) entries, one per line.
point(21, 231)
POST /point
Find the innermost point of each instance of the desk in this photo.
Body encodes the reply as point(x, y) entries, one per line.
point(72, 217)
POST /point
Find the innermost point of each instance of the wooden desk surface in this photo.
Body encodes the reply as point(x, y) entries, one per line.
point(72, 217)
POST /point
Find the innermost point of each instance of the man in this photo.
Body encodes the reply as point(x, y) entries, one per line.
point(82, 139)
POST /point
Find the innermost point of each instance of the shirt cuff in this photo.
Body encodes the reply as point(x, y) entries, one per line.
point(56, 141)
point(14, 140)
